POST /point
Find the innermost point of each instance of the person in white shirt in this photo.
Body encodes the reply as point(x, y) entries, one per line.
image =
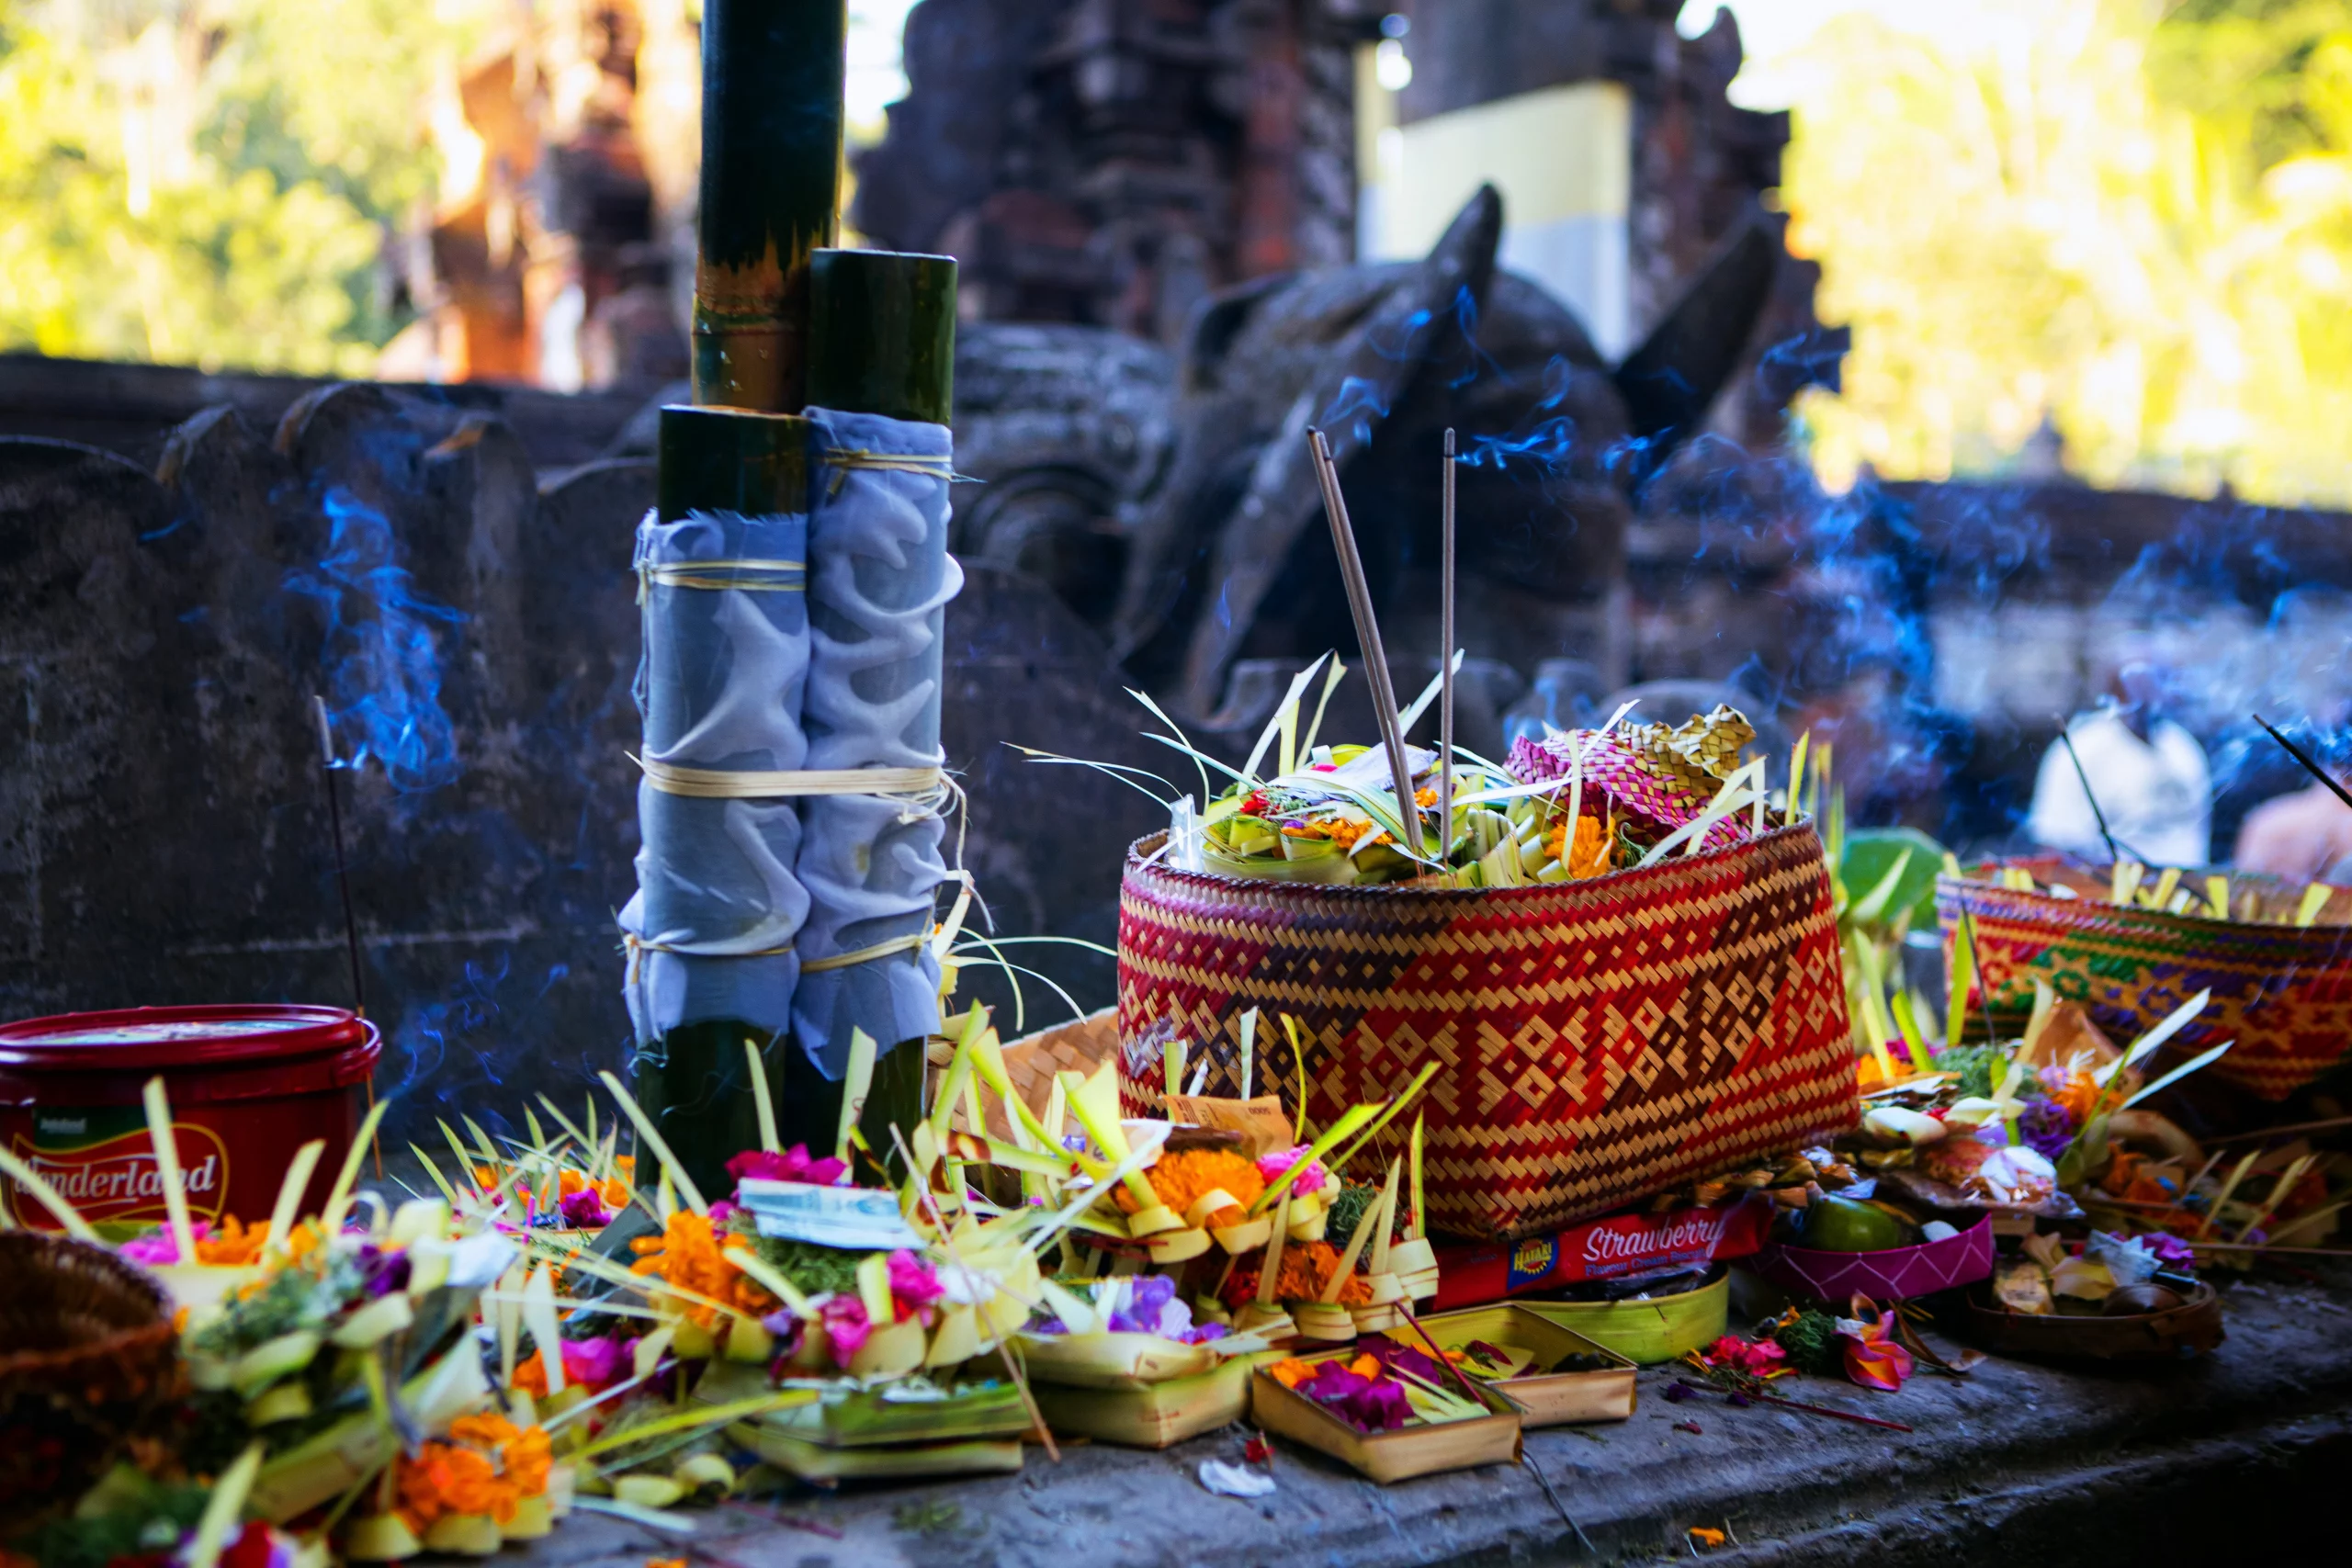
point(2150, 775)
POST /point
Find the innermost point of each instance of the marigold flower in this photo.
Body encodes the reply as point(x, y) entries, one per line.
point(1590, 854)
point(689, 1256)
point(1307, 1267)
point(487, 1465)
point(1183, 1177)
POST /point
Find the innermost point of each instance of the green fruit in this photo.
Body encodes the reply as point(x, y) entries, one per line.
point(1841, 1225)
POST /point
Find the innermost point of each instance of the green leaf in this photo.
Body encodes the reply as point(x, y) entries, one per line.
point(1874, 855)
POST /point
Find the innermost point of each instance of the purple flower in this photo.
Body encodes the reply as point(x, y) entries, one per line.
point(2046, 1127)
point(382, 1272)
point(2168, 1248)
point(584, 1210)
point(1365, 1403)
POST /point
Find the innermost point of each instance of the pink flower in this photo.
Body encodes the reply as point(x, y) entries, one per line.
point(1310, 1179)
point(845, 1325)
point(1758, 1359)
point(914, 1286)
point(1873, 1358)
point(793, 1164)
point(595, 1362)
point(160, 1248)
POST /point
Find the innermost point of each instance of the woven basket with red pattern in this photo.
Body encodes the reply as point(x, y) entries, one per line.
point(1600, 1041)
point(2282, 992)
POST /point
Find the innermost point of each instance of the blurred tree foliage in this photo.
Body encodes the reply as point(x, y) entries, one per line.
point(212, 182)
point(2134, 219)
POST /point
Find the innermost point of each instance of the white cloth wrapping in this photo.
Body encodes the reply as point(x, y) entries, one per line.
point(879, 579)
point(717, 906)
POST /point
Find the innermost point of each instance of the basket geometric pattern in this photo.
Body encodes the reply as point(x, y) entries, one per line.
point(2283, 993)
point(1597, 1040)
point(1895, 1274)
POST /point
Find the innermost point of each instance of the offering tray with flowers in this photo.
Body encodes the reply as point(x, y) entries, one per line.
point(1388, 1409)
point(1556, 1376)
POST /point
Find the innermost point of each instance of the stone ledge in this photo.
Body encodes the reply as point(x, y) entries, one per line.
point(2015, 1464)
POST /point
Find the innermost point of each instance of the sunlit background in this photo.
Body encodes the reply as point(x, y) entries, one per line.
point(2110, 235)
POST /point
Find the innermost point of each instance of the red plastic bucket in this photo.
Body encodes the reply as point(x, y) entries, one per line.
point(248, 1087)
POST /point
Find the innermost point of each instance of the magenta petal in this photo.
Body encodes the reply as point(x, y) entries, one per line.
point(911, 1280)
point(845, 1325)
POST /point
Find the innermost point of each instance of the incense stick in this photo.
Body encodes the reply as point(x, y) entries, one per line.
point(2332, 1122)
point(2113, 854)
point(1376, 657)
point(342, 866)
point(2310, 765)
point(1446, 660)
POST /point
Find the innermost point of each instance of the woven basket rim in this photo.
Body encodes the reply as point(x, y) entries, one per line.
point(1970, 891)
point(133, 1281)
point(1615, 881)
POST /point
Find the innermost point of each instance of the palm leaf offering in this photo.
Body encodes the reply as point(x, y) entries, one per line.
point(552, 1323)
point(1579, 805)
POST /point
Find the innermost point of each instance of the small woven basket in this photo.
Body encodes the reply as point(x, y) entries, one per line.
point(87, 1352)
point(1597, 1041)
point(2282, 992)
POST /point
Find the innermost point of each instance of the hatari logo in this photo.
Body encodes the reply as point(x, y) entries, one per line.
point(117, 1179)
point(1533, 1258)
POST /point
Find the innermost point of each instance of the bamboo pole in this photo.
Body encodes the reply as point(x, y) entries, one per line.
point(773, 73)
point(882, 334)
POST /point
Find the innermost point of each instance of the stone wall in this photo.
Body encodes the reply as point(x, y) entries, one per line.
point(164, 832)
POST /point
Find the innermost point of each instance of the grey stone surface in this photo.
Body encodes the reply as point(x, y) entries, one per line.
point(2237, 1457)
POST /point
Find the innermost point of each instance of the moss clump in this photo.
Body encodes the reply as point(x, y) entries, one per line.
point(1974, 1066)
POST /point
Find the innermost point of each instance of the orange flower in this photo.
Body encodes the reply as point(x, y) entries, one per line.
point(1307, 1267)
point(1290, 1371)
point(1181, 1178)
point(688, 1255)
point(487, 1465)
point(232, 1243)
point(568, 1181)
point(1591, 855)
point(2120, 1171)
point(1341, 830)
point(2081, 1092)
